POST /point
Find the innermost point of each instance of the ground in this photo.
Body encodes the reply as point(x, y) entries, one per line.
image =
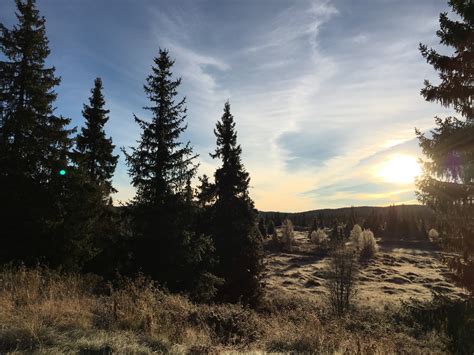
point(401, 270)
point(44, 311)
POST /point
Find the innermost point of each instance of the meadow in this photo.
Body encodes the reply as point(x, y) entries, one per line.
point(47, 312)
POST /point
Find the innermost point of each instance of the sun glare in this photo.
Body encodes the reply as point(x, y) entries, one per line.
point(400, 169)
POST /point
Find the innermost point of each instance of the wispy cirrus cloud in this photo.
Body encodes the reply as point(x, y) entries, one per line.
point(324, 92)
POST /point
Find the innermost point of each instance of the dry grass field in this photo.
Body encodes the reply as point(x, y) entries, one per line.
point(46, 312)
point(400, 271)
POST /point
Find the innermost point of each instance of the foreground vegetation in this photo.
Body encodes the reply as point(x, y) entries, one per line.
point(44, 311)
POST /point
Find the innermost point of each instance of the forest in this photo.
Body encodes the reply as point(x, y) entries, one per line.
point(186, 265)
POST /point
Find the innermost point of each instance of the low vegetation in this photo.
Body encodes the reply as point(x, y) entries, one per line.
point(364, 242)
point(433, 235)
point(45, 311)
point(320, 238)
point(287, 235)
point(367, 245)
point(342, 279)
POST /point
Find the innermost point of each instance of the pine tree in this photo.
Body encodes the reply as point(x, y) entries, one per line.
point(271, 227)
point(313, 227)
point(237, 241)
point(94, 152)
point(34, 143)
point(447, 184)
point(95, 219)
point(161, 165)
point(262, 227)
point(167, 246)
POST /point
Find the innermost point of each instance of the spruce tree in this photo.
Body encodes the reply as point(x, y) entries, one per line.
point(94, 217)
point(447, 184)
point(164, 223)
point(262, 227)
point(34, 143)
point(94, 151)
point(271, 227)
point(234, 225)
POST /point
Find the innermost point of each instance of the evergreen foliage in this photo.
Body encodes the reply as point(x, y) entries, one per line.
point(98, 221)
point(447, 184)
point(167, 246)
point(34, 144)
point(94, 152)
point(262, 227)
point(271, 227)
point(233, 219)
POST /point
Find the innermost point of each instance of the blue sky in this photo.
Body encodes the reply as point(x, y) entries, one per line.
point(325, 93)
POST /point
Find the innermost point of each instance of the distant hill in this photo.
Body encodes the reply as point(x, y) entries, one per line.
point(362, 213)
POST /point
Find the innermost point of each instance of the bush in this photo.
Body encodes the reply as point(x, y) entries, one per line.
point(355, 234)
point(229, 324)
point(433, 235)
point(320, 238)
point(288, 235)
point(453, 317)
point(367, 244)
point(342, 279)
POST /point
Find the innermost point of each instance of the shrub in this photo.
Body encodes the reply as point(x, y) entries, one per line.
point(433, 234)
point(271, 227)
point(288, 235)
point(320, 238)
point(342, 279)
point(229, 324)
point(367, 244)
point(356, 232)
point(453, 317)
point(275, 237)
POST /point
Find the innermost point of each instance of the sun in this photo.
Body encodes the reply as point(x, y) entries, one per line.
point(402, 169)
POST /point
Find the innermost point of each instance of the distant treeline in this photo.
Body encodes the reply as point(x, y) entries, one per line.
point(399, 222)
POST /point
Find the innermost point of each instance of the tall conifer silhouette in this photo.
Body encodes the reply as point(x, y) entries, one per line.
point(34, 143)
point(447, 184)
point(234, 219)
point(161, 166)
point(94, 152)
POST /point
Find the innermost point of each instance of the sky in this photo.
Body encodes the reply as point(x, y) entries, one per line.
point(325, 93)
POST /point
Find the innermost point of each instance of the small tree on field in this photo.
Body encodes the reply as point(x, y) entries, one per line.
point(337, 233)
point(342, 279)
point(262, 227)
point(367, 244)
point(288, 235)
point(355, 234)
point(271, 227)
point(314, 226)
point(433, 235)
point(320, 238)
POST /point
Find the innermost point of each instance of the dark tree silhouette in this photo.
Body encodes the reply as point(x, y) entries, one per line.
point(167, 246)
point(94, 151)
point(234, 225)
point(161, 165)
point(271, 227)
point(262, 226)
point(447, 184)
point(97, 222)
point(34, 143)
